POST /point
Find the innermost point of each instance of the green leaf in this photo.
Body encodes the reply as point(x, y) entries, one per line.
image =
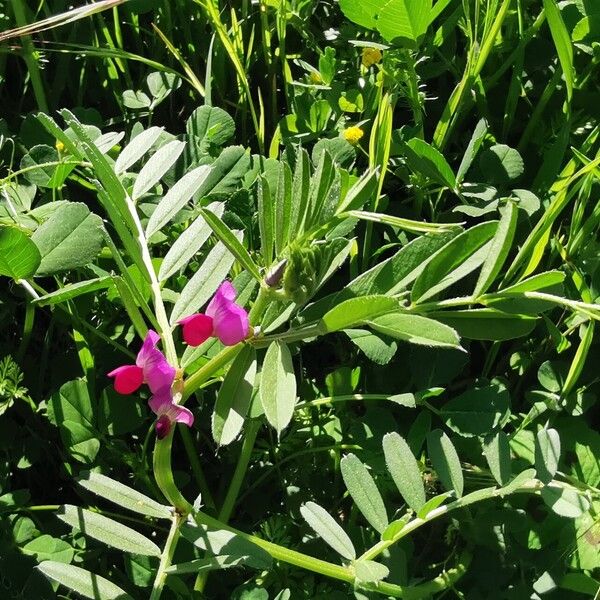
point(70, 238)
point(45, 175)
point(266, 220)
point(283, 203)
point(580, 582)
point(499, 249)
point(227, 544)
point(122, 495)
point(496, 449)
point(364, 492)
point(459, 257)
point(226, 173)
point(547, 454)
point(403, 224)
point(427, 160)
point(356, 312)
point(445, 461)
point(486, 323)
point(278, 386)
point(324, 525)
point(562, 42)
point(375, 348)
point(71, 410)
point(233, 399)
point(404, 21)
point(370, 571)
point(136, 148)
point(136, 100)
point(74, 290)
point(188, 243)
point(501, 165)
point(300, 192)
point(108, 531)
point(19, 256)
point(565, 502)
point(206, 126)
point(204, 283)
point(472, 149)
point(158, 164)
point(415, 330)
point(176, 198)
point(362, 191)
point(231, 242)
point(404, 469)
point(46, 547)
point(85, 583)
point(478, 411)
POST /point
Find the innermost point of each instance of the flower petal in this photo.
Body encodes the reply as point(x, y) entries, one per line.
point(224, 296)
point(148, 348)
point(159, 374)
point(196, 329)
point(128, 378)
point(161, 401)
point(232, 325)
point(163, 426)
point(183, 415)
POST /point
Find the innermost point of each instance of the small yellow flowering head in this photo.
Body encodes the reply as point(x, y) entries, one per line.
point(315, 77)
point(59, 146)
point(353, 134)
point(371, 56)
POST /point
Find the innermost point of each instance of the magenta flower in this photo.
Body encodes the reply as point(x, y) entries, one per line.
point(151, 367)
point(223, 319)
point(168, 412)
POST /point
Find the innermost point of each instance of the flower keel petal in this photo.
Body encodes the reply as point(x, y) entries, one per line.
point(128, 378)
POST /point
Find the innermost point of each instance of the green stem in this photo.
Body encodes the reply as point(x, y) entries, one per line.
point(29, 55)
point(188, 443)
point(240, 470)
point(342, 398)
point(166, 558)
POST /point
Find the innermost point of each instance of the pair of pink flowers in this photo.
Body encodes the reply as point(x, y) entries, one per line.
point(223, 319)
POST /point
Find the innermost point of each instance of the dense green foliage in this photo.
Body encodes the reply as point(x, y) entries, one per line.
point(404, 196)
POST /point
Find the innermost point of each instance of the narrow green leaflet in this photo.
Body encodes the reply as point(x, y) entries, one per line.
point(363, 190)
point(136, 148)
point(283, 203)
point(232, 242)
point(478, 411)
point(446, 463)
point(455, 260)
point(85, 583)
point(472, 149)
point(278, 386)
point(123, 495)
point(486, 323)
point(108, 531)
point(204, 282)
point(374, 347)
point(19, 256)
point(566, 502)
point(370, 571)
point(496, 449)
point(300, 192)
point(234, 397)
point(404, 224)
point(499, 249)
point(176, 198)
point(404, 469)
point(415, 330)
point(562, 41)
point(429, 161)
point(324, 525)
point(364, 492)
point(547, 454)
point(73, 290)
point(158, 164)
point(266, 220)
point(72, 237)
point(188, 244)
point(356, 311)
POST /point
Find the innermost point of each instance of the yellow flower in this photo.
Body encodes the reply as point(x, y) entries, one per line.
point(371, 56)
point(315, 77)
point(59, 146)
point(353, 134)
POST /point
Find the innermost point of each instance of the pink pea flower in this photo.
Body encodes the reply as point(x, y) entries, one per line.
point(223, 319)
point(168, 412)
point(151, 367)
